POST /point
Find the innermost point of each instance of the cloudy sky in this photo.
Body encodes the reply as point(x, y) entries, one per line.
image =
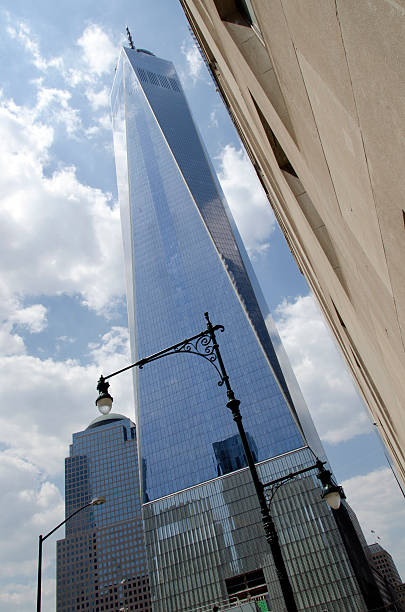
point(62, 303)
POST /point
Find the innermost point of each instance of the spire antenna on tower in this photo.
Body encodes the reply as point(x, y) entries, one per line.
point(131, 43)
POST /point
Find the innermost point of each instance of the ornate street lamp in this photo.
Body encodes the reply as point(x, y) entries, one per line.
point(104, 401)
point(333, 494)
point(96, 501)
point(205, 345)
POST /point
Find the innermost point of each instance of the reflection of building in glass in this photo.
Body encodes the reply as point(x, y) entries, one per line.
point(184, 257)
point(230, 455)
point(101, 563)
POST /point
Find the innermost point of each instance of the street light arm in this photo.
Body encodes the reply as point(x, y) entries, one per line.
point(279, 482)
point(205, 345)
point(211, 329)
point(294, 474)
point(199, 345)
point(267, 520)
point(95, 501)
point(65, 521)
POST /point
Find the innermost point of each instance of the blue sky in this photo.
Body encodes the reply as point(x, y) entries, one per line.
point(62, 306)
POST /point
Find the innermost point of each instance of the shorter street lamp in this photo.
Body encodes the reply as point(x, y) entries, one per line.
point(122, 595)
point(96, 501)
point(332, 493)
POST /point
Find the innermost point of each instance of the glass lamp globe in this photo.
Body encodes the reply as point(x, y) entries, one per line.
point(98, 501)
point(333, 499)
point(104, 405)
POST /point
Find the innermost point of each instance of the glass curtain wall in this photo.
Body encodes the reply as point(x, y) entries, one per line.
point(183, 257)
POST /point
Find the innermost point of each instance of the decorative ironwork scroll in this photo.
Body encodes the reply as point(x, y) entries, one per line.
point(200, 345)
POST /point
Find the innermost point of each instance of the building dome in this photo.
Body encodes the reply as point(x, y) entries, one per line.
point(106, 419)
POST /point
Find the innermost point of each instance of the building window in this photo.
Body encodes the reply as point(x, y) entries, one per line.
point(239, 12)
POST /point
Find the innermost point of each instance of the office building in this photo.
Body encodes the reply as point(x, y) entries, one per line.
point(184, 257)
point(383, 561)
point(378, 562)
point(389, 576)
point(101, 564)
point(315, 90)
point(400, 595)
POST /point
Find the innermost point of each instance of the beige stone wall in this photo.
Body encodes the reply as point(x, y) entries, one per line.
point(317, 88)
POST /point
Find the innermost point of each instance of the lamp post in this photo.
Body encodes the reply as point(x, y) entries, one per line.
point(96, 501)
point(205, 345)
point(333, 494)
point(122, 594)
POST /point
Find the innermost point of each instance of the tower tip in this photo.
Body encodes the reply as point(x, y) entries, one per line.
point(131, 44)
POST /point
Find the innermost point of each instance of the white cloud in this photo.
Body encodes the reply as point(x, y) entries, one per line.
point(30, 505)
point(194, 61)
point(56, 234)
point(66, 339)
point(105, 122)
point(32, 318)
point(97, 57)
point(53, 106)
point(379, 505)
point(115, 341)
point(247, 200)
point(51, 399)
point(98, 99)
point(48, 95)
point(213, 119)
point(22, 134)
point(53, 230)
point(99, 53)
point(335, 406)
point(10, 343)
point(94, 68)
point(92, 131)
point(74, 77)
point(45, 401)
point(23, 34)
point(12, 313)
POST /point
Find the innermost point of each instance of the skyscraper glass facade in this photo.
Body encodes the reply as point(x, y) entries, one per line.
point(199, 538)
point(101, 563)
point(183, 257)
point(182, 260)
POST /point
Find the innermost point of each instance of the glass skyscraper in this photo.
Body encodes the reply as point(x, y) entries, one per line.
point(183, 256)
point(101, 564)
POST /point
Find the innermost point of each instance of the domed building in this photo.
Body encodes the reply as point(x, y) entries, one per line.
point(101, 563)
